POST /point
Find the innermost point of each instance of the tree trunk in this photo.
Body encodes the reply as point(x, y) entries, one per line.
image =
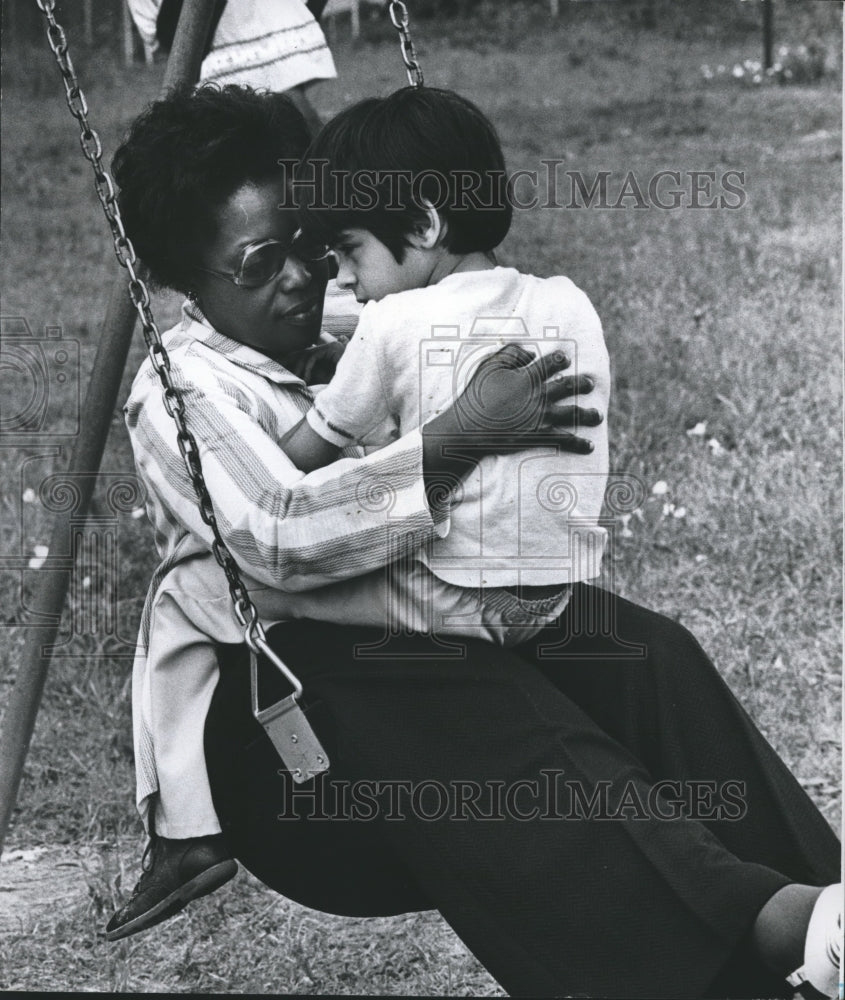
point(10, 27)
point(768, 33)
point(87, 23)
point(128, 39)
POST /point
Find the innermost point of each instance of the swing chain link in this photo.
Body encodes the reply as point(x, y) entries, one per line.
point(139, 295)
point(400, 21)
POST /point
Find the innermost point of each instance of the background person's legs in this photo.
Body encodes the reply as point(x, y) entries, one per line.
point(299, 96)
point(620, 905)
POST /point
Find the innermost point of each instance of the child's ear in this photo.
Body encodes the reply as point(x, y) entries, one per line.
point(427, 233)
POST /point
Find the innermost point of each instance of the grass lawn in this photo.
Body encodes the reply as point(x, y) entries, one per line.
point(724, 329)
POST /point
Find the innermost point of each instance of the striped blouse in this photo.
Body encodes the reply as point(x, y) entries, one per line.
point(362, 519)
point(286, 529)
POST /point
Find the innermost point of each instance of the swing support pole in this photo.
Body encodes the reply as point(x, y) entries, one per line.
point(183, 68)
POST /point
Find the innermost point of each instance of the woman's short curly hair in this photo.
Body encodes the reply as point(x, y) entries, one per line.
point(185, 156)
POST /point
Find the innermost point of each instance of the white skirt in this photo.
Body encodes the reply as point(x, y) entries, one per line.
point(272, 44)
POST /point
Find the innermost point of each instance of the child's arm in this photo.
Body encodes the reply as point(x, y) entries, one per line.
point(352, 409)
point(306, 449)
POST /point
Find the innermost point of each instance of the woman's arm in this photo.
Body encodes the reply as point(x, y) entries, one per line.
point(295, 531)
point(500, 387)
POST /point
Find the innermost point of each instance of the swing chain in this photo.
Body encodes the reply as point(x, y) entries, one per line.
point(139, 295)
point(92, 148)
point(400, 21)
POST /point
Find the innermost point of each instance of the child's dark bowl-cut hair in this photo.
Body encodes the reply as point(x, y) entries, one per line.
point(374, 165)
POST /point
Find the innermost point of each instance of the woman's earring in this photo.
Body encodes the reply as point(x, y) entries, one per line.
point(192, 298)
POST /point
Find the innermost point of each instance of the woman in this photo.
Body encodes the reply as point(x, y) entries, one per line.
point(593, 777)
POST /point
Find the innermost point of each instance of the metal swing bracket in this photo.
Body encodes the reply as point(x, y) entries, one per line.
point(284, 721)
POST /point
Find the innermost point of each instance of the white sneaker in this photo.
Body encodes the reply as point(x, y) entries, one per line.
point(823, 946)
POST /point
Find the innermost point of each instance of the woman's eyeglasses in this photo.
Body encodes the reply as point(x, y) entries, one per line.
point(261, 262)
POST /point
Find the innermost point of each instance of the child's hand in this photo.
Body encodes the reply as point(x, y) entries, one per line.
point(317, 364)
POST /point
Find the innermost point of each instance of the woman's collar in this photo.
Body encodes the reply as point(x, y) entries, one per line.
point(196, 325)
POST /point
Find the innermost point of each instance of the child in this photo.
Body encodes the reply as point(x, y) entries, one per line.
point(428, 173)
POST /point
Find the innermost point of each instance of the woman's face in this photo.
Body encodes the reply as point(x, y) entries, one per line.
point(281, 317)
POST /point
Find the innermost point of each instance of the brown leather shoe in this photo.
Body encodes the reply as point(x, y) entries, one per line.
point(175, 872)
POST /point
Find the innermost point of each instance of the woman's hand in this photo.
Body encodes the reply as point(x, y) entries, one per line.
point(513, 401)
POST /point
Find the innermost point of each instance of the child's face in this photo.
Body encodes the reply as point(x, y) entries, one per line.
point(367, 268)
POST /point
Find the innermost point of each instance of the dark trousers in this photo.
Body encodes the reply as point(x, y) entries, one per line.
point(593, 813)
